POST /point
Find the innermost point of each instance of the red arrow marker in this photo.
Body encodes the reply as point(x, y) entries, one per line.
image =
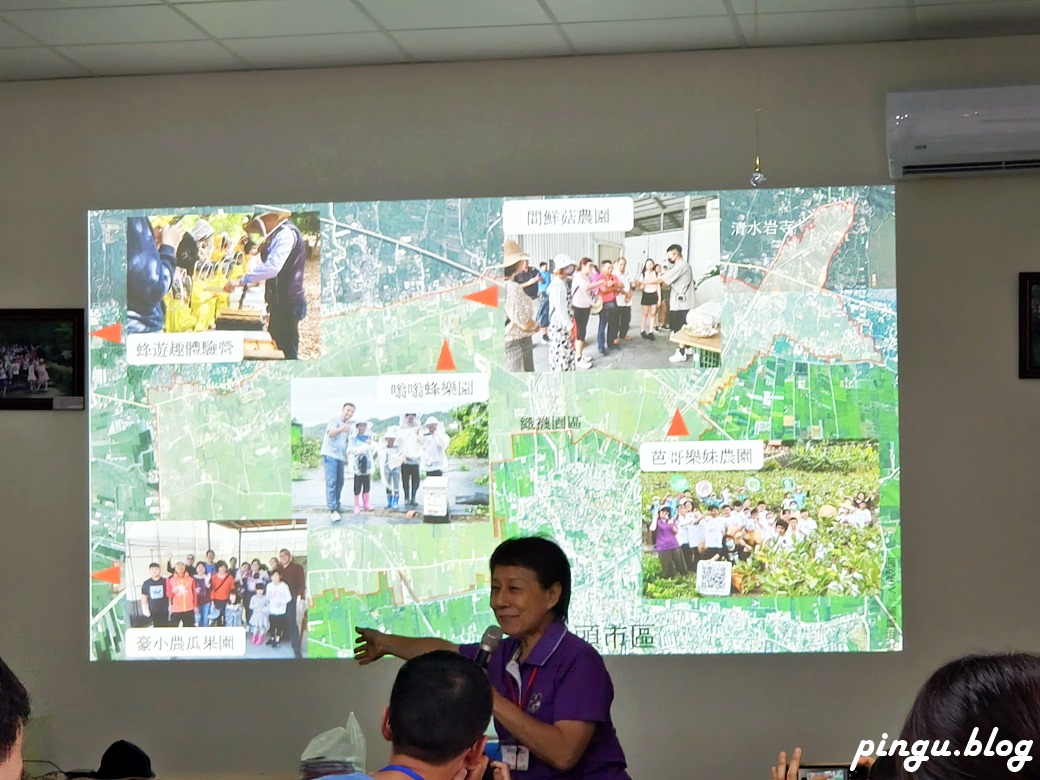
point(113, 574)
point(488, 296)
point(113, 333)
point(678, 426)
point(445, 362)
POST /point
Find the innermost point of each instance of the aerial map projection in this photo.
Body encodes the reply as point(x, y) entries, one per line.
point(306, 418)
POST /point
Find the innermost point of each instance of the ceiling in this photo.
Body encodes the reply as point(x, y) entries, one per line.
point(42, 39)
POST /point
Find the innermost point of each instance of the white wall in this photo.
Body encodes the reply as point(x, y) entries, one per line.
point(969, 426)
point(638, 249)
point(543, 247)
point(703, 251)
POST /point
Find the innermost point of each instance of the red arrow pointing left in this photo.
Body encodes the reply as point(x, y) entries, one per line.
point(113, 333)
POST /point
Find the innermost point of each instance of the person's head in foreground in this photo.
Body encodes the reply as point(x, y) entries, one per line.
point(530, 585)
point(976, 718)
point(981, 704)
point(14, 714)
point(439, 709)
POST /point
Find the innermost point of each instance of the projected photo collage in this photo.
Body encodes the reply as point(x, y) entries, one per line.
point(310, 417)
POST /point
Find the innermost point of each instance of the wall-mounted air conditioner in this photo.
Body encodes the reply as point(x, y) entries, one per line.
point(958, 132)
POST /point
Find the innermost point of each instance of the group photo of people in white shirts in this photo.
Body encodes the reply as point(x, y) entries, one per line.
point(799, 527)
point(413, 451)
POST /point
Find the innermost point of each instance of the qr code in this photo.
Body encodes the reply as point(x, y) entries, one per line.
point(714, 578)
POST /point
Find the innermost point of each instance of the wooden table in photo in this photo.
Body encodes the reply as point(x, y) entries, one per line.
point(709, 348)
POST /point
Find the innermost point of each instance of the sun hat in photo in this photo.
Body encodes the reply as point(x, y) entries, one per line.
point(202, 230)
point(562, 260)
point(266, 223)
point(514, 253)
point(431, 421)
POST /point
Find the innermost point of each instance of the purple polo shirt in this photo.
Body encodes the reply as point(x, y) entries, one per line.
point(570, 683)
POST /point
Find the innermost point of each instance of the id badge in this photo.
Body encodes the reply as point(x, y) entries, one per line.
point(509, 756)
point(516, 757)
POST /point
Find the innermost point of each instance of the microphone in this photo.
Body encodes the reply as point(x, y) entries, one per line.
point(491, 639)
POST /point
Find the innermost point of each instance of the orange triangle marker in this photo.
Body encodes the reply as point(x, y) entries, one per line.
point(113, 333)
point(678, 426)
point(113, 575)
point(445, 362)
point(487, 296)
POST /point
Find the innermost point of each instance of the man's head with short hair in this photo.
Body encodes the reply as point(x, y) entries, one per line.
point(674, 253)
point(439, 710)
point(14, 714)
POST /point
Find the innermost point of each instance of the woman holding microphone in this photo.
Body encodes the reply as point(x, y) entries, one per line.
point(552, 692)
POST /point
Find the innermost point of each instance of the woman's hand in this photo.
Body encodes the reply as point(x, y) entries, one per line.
point(785, 771)
point(501, 771)
point(370, 646)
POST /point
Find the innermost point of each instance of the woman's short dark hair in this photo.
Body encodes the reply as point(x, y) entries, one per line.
point(984, 692)
point(14, 710)
point(884, 768)
point(440, 706)
point(545, 558)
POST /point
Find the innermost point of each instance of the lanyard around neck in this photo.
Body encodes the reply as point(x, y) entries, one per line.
point(403, 770)
point(526, 694)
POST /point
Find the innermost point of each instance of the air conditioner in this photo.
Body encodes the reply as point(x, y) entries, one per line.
point(960, 132)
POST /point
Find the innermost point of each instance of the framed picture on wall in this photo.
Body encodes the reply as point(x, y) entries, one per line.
point(42, 359)
point(1029, 326)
